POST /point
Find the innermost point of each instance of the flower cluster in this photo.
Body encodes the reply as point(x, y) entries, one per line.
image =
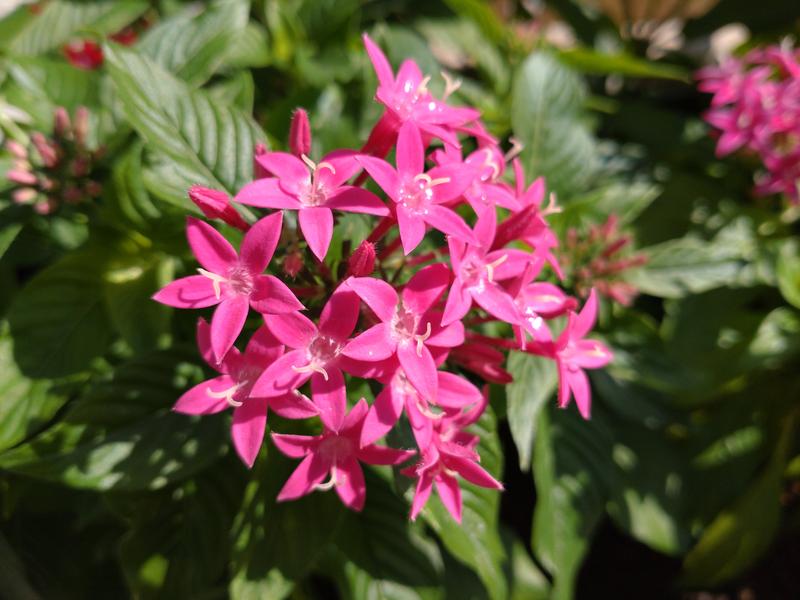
point(454, 255)
point(756, 107)
point(55, 170)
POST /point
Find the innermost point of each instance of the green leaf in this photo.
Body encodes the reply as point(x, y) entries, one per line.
point(56, 82)
point(58, 320)
point(547, 98)
point(250, 50)
point(594, 62)
point(27, 405)
point(59, 21)
point(742, 533)
point(476, 541)
point(483, 16)
point(122, 435)
point(789, 271)
point(194, 45)
point(238, 90)
point(206, 143)
point(535, 381)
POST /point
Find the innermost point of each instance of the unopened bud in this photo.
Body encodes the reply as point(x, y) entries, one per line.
point(73, 194)
point(61, 122)
point(216, 205)
point(293, 264)
point(17, 150)
point(46, 149)
point(24, 195)
point(259, 172)
point(21, 177)
point(93, 188)
point(300, 134)
point(81, 129)
point(362, 262)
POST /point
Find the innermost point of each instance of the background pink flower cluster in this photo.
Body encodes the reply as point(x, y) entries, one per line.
point(412, 324)
point(756, 107)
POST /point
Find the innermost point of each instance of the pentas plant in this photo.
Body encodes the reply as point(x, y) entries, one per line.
point(756, 108)
point(424, 309)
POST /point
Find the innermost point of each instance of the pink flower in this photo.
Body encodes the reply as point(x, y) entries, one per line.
point(482, 359)
point(418, 195)
point(313, 190)
point(408, 100)
point(538, 301)
point(479, 271)
point(336, 452)
point(451, 453)
point(233, 388)
point(216, 205)
point(233, 282)
point(407, 327)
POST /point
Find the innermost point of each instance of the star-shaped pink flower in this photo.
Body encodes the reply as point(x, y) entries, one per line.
point(408, 326)
point(336, 452)
point(233, 282)
point(233, 388)
point(418, 195)
point(312, 189)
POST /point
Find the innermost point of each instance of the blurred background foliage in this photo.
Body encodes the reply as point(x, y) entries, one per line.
point(687, 478)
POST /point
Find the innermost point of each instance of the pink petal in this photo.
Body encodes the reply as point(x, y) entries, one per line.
point(381, 455)
point(409, 73)
point(459, 301)
point(260, 241)
point(473, 473)
point(350, 484)
point(295, 446)
point(450, 493)
point(330, 397)
point(486, 228)
point(344, 164)
point(420, 369)
point(266, 193)
point(591, 354)
point(203, 338)
point(340, 314)
point(449, 336)
point(212, 250)
point(355, 419)
point(383, 173)
point(447, 221)
point(309, 473)
point(421, 494)
point(316, 223)
point(354, 199)
point(421, 425)
point(227, 324)
point(382, 68)
point(579, 384)
point(293, 329)
point(496, 301)
point(455, 391)
point(263, 348)
point(293, 406)
point(197, 401)
point(287, 168)
point(585, 319)
point(195, 291)
point(460, 178)
point(383, 415)
point(279, 378)
point(412, 229)
point(247, 430)
point(270, 296)
point(563, 385)
point(425, 288)
point(410, 153)
point(377, 294)
point(373, 345)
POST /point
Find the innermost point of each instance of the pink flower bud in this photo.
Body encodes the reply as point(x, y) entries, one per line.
point(300, 133)
point(81, 128)
point(21, 177)
point(216, 205)
point(93, 188)
point(46, 149)
point(362, 262)
point(24, 195)
point(61, 122)
point(293, 264)
point(17, 150)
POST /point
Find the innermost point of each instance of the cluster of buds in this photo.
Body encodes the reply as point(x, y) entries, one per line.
point(597, 260)
point(756, 107)
point(52, 171)
point(455, 251)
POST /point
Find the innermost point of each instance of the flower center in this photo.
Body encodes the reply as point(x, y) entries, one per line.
point(404, 328)
point(417, 193)
point(240, 280)
point(320, 352)
point(336, 447)
point(314, 192)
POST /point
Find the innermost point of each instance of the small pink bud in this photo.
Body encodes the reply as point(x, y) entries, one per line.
point(73, 194)
point(293, 264)
point(21, 177)
point(46, 149)
point(300, 133)
point(24, 195)
point(93, 188)
point(216, 205)
point(259, 172)
point(80, 166)
point(17, 150)
point(81, 128)
point(362, 262)
point(46, 206)
point(61, 122)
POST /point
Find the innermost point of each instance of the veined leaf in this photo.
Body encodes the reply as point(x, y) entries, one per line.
point(591, 61)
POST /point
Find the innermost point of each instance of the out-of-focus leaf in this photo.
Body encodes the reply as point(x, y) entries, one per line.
point(58, 320)
point(207, 143)
point(483, 16)
point(122, 434)
point(742, 532)
point(527, 581)
point(250, 49)
point(238, 91)
point(60, 20)
point(626, 201)
point(546, 117)
point(13, 579)
point(56, 82)
point(788, 271)
point(591, 61)
point(476, 542)
point(192, 44)
point(535, 381)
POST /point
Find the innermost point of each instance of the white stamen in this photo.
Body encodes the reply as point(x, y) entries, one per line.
point(427, 412)
point(421, 337)
point(215, 280)
point(450, 85)
point(311, 368)
point(514, 151)
point(490, 162)
point(227, 394)
point(422, 88)
point(492, 265)
point(551, 207)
